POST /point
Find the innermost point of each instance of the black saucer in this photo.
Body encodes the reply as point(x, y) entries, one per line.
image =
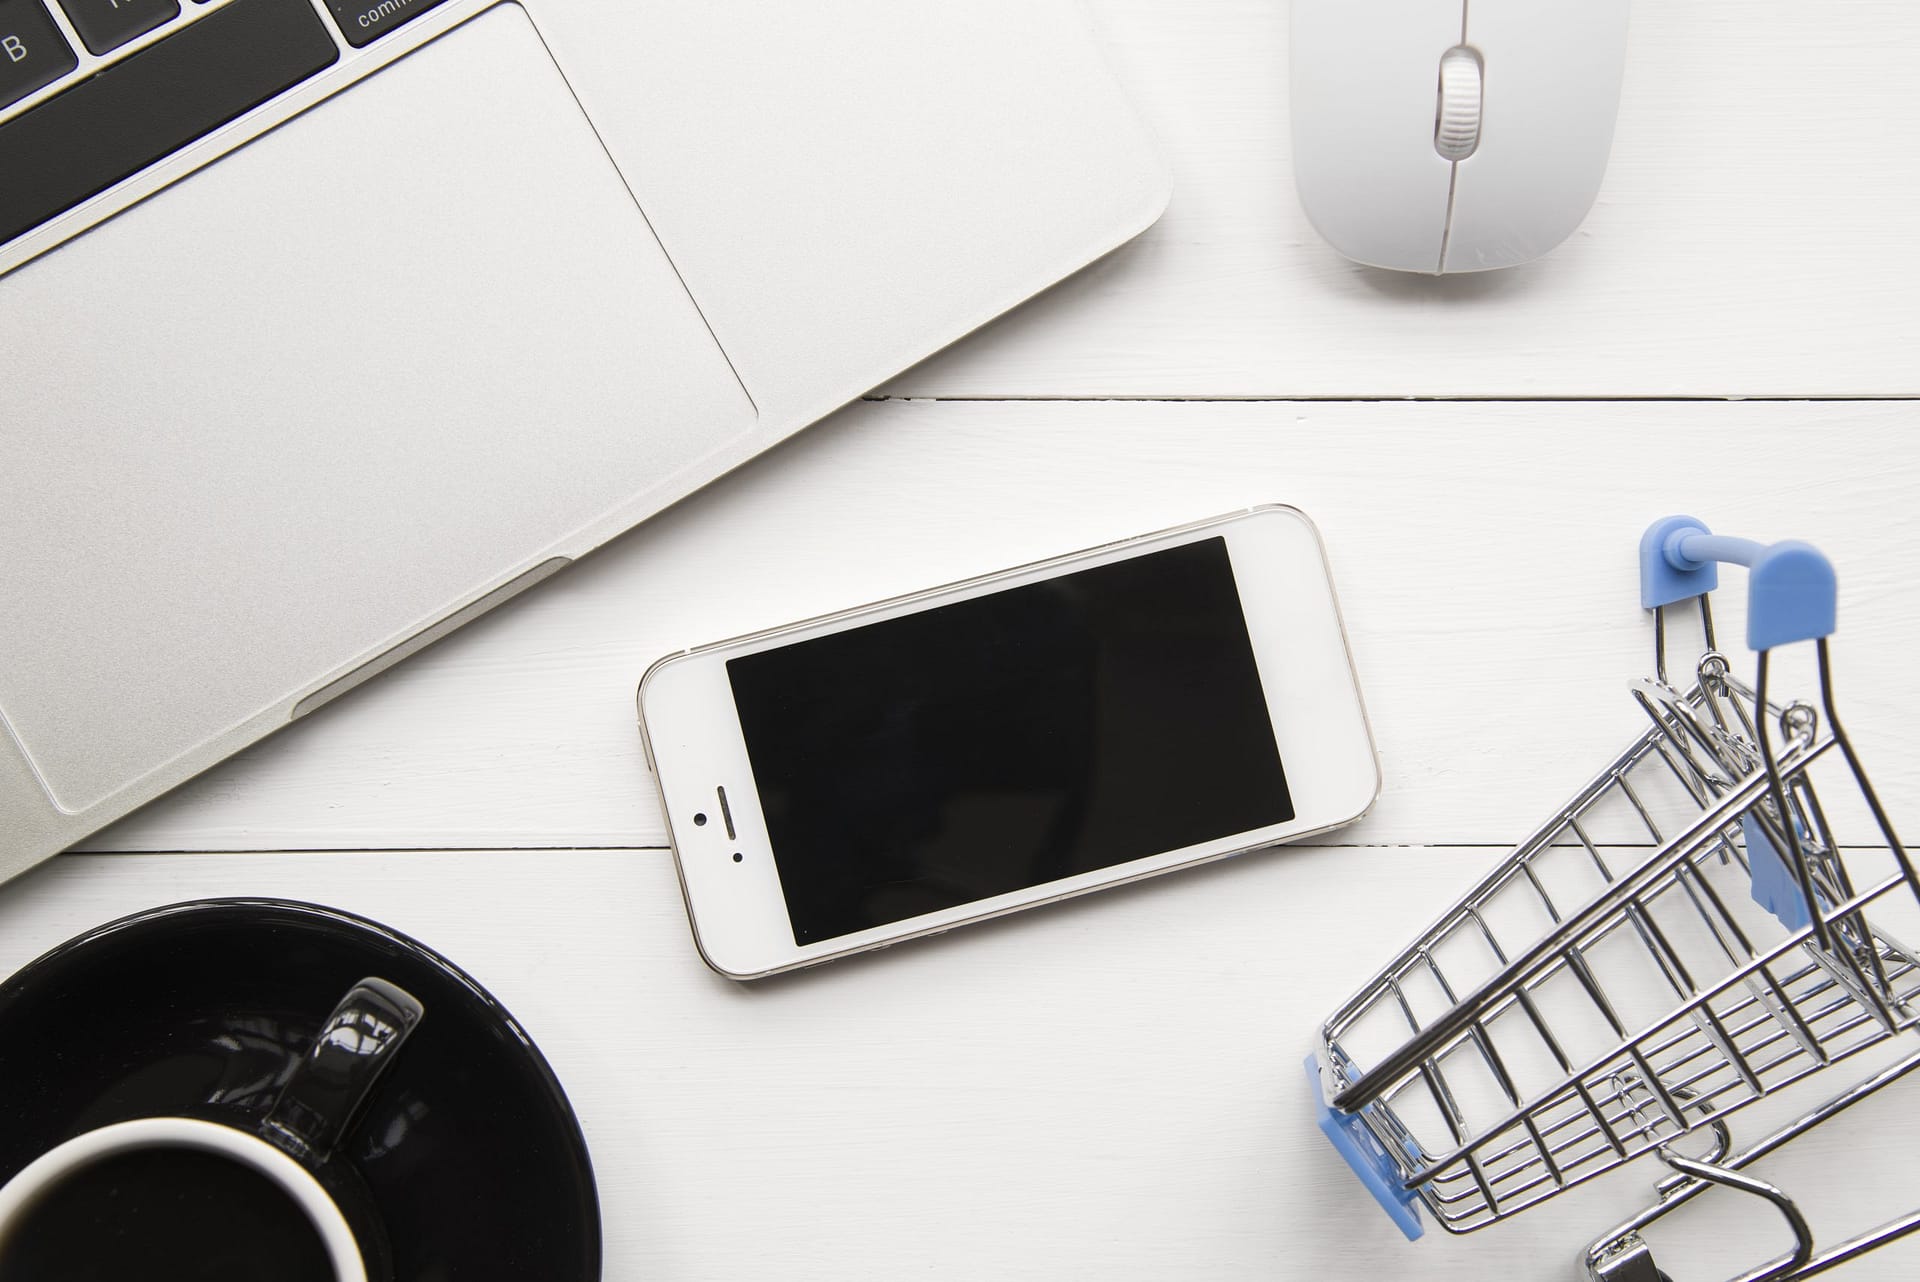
point(467, 1149)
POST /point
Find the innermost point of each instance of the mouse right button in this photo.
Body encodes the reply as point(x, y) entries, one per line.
point(1552, 72)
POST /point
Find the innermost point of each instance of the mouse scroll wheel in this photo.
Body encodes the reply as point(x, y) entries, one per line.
point(1456, 130)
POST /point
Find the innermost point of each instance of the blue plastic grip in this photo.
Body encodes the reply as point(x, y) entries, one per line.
point(1661, 581)
point(1691, 549)
point(1370, 1162)
point(1791, 588)
point(1775, 888)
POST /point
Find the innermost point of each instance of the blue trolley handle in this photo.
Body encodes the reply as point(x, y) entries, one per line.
point(1790, 587)
point(1791, 596)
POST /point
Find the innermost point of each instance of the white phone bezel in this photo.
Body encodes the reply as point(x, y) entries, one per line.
point(694, 743)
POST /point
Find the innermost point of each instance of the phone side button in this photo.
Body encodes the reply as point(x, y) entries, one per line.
point(639, 703)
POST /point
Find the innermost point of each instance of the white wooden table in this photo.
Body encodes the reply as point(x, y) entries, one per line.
point(1111, 1089)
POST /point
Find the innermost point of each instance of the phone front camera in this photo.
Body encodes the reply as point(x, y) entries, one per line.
point(737, 856)
point(700, 821)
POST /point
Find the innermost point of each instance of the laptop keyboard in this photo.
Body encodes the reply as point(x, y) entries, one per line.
point(114, 110)
point(105, 25)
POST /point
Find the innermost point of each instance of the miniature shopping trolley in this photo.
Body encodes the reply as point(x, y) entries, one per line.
point(1702, 925)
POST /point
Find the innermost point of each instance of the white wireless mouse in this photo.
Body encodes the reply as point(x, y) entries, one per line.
point(1453, 135)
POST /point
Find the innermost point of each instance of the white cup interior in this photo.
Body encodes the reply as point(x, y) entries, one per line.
point(55, 1164)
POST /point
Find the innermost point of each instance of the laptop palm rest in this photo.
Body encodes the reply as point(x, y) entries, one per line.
point(434, 337)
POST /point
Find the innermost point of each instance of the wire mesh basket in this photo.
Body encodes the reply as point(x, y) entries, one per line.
point(1684, 937)
point(1623, 1255)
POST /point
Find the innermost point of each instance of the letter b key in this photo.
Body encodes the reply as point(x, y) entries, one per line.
point(32, 52)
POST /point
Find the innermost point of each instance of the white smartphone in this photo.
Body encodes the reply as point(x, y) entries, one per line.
point(906, 767)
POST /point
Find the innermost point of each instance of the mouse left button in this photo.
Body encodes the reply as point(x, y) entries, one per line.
point(1362, 106)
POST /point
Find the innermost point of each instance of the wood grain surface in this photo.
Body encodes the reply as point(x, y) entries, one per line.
point(1484, 554)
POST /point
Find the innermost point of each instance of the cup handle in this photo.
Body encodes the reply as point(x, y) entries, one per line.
point(324, 1096)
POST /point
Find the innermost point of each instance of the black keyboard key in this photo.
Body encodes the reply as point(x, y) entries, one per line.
point(363, 21)
point(155, 101)
point(108, 24)
point(32, 52)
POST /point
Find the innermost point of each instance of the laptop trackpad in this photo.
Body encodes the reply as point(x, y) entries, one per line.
point(276, 419)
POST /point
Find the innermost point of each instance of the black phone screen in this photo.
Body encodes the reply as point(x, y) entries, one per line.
point(995, 744)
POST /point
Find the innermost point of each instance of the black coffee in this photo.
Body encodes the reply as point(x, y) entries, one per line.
point(164, 1215)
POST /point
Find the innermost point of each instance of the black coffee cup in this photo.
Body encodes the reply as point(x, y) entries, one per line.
point(229, 1197)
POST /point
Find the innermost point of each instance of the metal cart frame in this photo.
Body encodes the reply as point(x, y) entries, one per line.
point(1536, 1065)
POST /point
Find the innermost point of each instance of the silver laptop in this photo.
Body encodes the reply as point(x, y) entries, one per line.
point(326, 325)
